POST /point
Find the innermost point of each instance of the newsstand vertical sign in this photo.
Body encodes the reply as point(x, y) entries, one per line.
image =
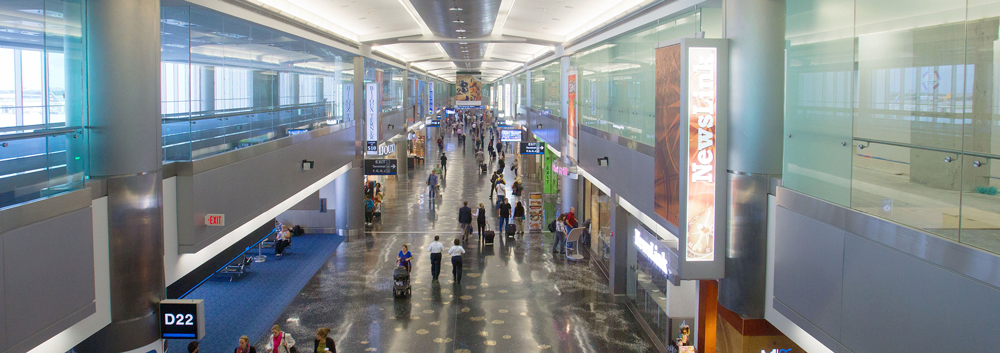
point(701, 178)
point(371, 117)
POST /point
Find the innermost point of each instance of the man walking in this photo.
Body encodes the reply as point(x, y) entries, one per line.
point(465, 219)
point(432, 183)
point(504, 215)
point(435, 249)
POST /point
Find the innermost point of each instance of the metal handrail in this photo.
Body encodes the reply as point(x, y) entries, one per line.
point(40, 133)
point(936, 149)
point(31, 127)
point(241, 111)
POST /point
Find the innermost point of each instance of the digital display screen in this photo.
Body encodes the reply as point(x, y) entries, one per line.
point(510, 135)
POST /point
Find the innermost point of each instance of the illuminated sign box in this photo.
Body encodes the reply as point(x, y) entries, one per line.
point(182, 318)
point(702, 155)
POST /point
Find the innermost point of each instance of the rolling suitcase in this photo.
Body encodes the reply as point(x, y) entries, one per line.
point(511, 230)
point(483, 167)
point(488, 237)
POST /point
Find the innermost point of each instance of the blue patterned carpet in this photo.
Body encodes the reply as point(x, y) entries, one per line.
point(249, 305)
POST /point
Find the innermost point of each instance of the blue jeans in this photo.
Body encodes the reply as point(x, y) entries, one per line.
point(433, 191)
point(503, 224)
point(559, 243)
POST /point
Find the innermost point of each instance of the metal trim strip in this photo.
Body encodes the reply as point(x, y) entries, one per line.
point(965, 260)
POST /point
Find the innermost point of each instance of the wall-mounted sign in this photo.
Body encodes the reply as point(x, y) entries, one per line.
point(532, 147)
point(652, 250)
point(702, 89)
point(560, 169)
point(182, 318)
point(297, 131)
point(510, 135)
point(387, 149)
point(371, 117)
point(215, 220)
point(380, 166)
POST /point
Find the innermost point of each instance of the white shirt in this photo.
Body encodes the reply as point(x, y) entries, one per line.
point(501, 190)
point(456, 250)
point(436, 247)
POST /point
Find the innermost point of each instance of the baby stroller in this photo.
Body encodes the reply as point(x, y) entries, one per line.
point(401, 282)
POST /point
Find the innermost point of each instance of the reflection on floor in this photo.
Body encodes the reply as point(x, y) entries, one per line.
point(515, 295)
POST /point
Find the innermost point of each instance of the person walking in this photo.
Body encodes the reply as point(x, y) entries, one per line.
point(280, 342)
point(500, 165)
point(444, 161)
point(481, 220)
point(323, 342)
point(193, 347)
point(465, 219)
point(516, 188)
point(514, 166)
point(559, 245)
point(570, 224)
point(456, 260)
point(493, 183)
point(519, 217)
point(435, 249)
point(504, 213)
point(369, 210)
point(432, 183)
point(245, 346)
point(501, 190)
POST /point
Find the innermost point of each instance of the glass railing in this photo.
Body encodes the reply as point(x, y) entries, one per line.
point(190, 137)
point(39, 161)
point(949, 193)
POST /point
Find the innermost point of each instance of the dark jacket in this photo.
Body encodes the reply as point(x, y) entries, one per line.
point(519, 211)
point(252, 349)
point(482, 216)
point(329, 344)
point(505, 210)
point(465, 215)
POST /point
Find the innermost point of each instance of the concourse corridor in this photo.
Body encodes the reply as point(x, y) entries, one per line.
point(515, 296)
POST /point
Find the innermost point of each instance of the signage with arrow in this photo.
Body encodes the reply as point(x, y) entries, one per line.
point(380, 167)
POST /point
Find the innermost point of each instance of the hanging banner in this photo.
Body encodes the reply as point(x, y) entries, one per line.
point(371, 117)
point(348, 101)
point(379, 74)
point(666, 161)
point(430, 97)
point(468, 91)
point(506, 100)
point(571, 119)
point(535, 212)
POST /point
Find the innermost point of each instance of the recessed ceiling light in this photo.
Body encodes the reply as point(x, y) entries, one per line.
point(463, 42)
point(461, 37)
point(459, 30)
point(455, 9)
point(458, 21)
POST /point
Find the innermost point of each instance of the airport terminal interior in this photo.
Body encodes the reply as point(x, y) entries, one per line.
point(462, 176)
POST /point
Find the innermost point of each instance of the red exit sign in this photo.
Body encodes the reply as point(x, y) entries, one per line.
point(215, 220)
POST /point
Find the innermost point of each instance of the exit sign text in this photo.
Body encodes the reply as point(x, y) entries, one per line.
point(215, 220)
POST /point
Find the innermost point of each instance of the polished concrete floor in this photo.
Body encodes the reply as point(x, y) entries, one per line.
point(515, 296)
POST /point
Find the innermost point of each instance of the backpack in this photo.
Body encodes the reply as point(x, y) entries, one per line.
point(552, 227)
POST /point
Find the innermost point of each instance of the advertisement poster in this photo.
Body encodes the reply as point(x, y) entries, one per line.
point(506, 100)
point(535, 212)
point(571, 120)
point(371, 117)
point(468, 91)
point(702, 88)
point(666, 178)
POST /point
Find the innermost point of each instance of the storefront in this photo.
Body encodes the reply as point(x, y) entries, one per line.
point(668, 305)
point(595, 206)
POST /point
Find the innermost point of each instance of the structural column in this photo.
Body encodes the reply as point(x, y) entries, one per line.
point(756, 30)
point(350, 186)
point(123, 59)
point(568, 183)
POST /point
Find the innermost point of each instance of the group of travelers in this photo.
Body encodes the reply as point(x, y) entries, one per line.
point(373, 201)
point(561, 227)
point(280, 342)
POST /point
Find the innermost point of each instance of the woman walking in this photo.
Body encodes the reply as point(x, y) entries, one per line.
point(481, 220)
point(323, 342)
point(456, 261)
point(519, 217)
point(280, 342)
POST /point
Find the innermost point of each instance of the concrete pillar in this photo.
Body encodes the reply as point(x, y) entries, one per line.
point(350, 186)
point(756, 30)
point(401, 156)
point(123, 58)
point(568, 184)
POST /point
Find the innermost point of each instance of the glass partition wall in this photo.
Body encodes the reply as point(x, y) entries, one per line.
point(42, 111)
point(228, 84)
point(891, 107)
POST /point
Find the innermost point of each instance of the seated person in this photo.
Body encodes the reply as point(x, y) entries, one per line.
point(282, 241)
point(404, 257)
